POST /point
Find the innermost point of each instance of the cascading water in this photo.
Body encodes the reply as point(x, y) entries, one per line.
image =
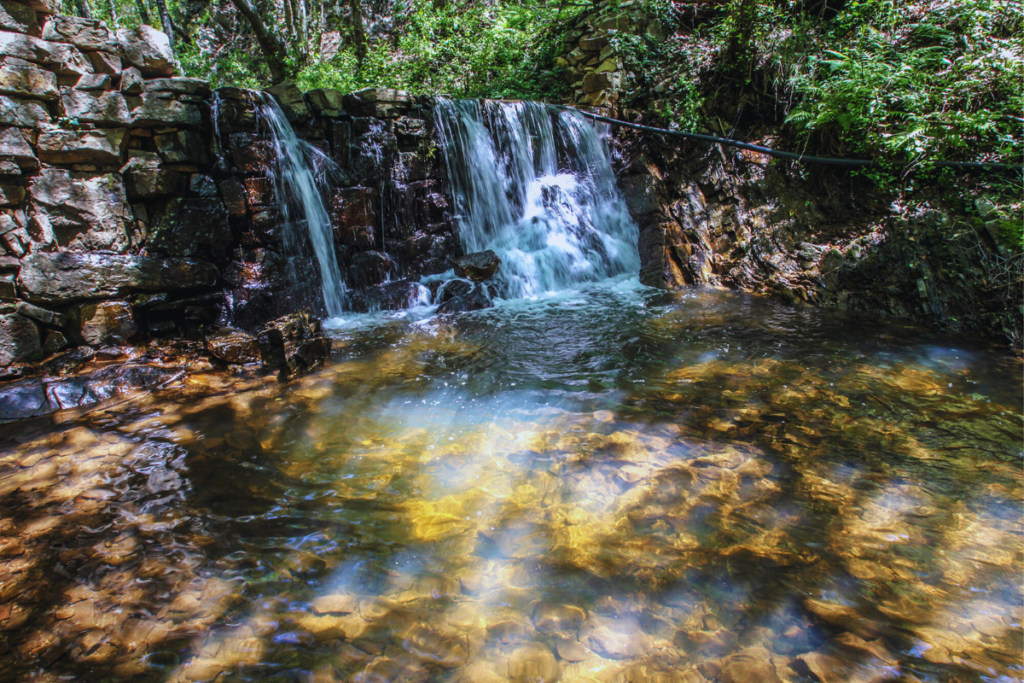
point(297, 194)
point(536, 186)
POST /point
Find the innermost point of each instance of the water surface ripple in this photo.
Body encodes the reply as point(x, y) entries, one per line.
point(612, 484)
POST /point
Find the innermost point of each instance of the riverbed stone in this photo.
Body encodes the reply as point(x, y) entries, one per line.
point(86, 34)
point(85, 213)
point(28, 81)
point(533, 663)
point(68, 277)
point(478, 266)
point(192, 226)
point(106, 108)
point(233, 346)
point(106, 323)
point(22, 113)
point(147, 49)
point(293, 344)
point(97, 146)
point(67, 362)
point(18, 17)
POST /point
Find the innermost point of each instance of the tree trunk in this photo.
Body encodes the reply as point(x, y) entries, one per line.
point(303, 21)
point(272, 48)
point(83, 9)
point(358, 34)
point(165, 19)
point(143, 11)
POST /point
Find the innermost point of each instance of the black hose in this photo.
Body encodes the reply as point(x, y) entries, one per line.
point(861, 163)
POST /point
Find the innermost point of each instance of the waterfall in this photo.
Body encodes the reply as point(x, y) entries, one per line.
point(297, 194)
point(535, 185)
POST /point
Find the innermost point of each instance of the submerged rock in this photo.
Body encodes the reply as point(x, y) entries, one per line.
point(479, 266)
point(233, 346)
point(474, 300)
point(293, 344)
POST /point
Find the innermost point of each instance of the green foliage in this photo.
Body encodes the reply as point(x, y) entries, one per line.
point(912, 81)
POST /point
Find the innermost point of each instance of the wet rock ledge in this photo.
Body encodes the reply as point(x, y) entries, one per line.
point(137, 205)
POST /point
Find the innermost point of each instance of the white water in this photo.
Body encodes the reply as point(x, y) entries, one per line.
point(298, 196)
point(536, 186)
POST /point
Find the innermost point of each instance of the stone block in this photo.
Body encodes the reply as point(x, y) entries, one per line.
point(179, 86)
point(18, 17)
point(106, 108)
point(104, 62)
point(182, 147)
point(11, 195)
point(353, 213)
point(326, 102)
point(85, 212)
point(289, 97)
point(595, 82)
point(101, 146)
point(105, 323)
point(44, 6)
point(132, 82)
point(148, 50)
point(233, 193)
point(19, 340)
point(259, 191)
point(22, 113)
point(8, 291)
point(94, 82)
point(251, 154)
point(593, 43)
point(86, 34)
point(378, 102)
point(68, 277)
point(61, 58)
point(194, 226)
point(161, 109)
point(144, 178)
point(15, 144)
point(28, 81)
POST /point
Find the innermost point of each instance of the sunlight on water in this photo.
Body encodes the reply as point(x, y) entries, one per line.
point(605, 484)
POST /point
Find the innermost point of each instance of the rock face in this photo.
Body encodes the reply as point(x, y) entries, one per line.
point(85, 213)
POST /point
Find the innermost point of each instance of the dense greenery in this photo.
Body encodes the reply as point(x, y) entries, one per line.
point(891, 79)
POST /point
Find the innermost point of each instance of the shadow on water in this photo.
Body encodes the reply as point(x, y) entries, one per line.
point(611, 484)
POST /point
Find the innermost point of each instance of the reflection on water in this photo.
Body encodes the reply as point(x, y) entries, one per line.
point(611, 485)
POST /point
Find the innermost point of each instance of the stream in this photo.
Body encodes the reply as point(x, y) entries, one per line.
point(609, 483)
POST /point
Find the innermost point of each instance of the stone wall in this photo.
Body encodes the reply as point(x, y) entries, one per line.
point(135, 204)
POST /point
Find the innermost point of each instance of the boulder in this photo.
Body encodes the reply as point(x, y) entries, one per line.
point(85, 213)
point(326, 101)
point(233, 346)
point(289, 97)
point(55, 341)
point(41, 315)
point(28, 81)
point(107, 108)
point(145, 179)
point(104, 323)
point(378, 102)
point(67, 277)
point(15, 146)
point(100, 146)
point(182, 147)
point(22, 113)
point(474, 300)
point(19, 340)
point(148, 50)
point(293, 344)
point(161, 109)
point(194, 226)
point(105, 62)
point(86, 34)
point(179, 85)
point(61, 58)
point(479, 266)
point(17, 17)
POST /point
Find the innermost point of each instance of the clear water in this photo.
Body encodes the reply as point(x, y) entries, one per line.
point(609, 484)
point(535, 185)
